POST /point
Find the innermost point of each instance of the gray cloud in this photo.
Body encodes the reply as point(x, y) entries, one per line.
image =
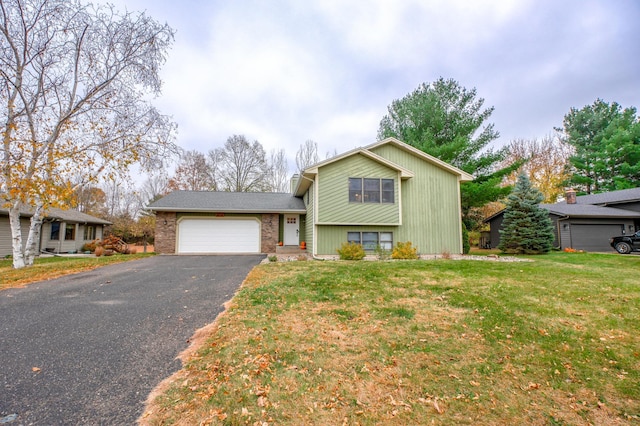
point(285, 71)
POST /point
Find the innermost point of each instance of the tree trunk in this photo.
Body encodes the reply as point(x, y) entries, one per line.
point(31, 247)
point(16, 236)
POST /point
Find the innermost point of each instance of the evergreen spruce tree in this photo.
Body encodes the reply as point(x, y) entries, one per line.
point(526, 228)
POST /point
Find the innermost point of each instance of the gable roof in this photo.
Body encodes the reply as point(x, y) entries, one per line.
point(613, 197)
point(309, 173)
point(229, 202)
point(464, 176)
point(73, 216)
point(593, 206)
point(588, 210)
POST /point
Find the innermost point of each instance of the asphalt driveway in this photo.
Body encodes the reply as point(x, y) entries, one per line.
point(88, 348)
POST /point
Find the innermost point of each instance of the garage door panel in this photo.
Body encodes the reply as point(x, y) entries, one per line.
point(219, 236)
point(593, 237)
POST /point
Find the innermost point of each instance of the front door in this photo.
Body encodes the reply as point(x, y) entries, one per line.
point(291, 229)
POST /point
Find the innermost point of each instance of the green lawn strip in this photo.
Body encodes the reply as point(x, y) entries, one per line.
point(46, 268)
point(553, 341)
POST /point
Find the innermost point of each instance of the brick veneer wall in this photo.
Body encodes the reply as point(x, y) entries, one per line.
point(270, 232)
point(165, 239)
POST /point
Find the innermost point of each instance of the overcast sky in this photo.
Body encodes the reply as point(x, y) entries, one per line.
point(282, 72)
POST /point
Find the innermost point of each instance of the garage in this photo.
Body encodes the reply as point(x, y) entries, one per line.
point(219, 235)
point(594, 237)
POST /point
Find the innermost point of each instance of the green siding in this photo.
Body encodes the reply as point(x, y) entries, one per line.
point(333, 193)
point(430, 204)
point(331, 237)
point(303, 228)
point(309, 218)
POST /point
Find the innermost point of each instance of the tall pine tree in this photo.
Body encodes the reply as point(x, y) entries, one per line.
point(606, 139)
point(526, 228)
point(450, 122)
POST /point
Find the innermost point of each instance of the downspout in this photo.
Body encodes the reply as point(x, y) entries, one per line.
point(315, 229)
point(461, 242)
point(559, 247)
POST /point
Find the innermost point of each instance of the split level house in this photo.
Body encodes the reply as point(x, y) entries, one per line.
point(585, 222)
point(62, 231)
point(379, 195)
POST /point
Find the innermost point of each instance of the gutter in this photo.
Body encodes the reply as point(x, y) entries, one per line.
point(213, 210)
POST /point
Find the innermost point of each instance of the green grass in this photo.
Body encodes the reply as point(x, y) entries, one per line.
point(46, 268)
point(551, 341)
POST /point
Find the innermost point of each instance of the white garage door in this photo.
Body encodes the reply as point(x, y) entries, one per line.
point(219, 236)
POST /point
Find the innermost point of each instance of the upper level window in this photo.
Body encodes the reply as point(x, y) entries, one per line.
point(355, 190)
point(368, 190)
point(371, 190)
point(388, 189)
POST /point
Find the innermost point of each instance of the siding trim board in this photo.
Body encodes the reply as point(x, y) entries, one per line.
point(358, 224)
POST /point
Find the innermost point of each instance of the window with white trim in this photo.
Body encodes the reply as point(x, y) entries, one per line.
point(70, 232)
point(89, 232)
point(371, 190)
point(371, 240)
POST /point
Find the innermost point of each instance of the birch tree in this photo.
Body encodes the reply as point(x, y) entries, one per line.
point(75, 81)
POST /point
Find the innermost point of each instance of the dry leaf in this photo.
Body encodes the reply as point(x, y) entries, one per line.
point(35, 369)
point(262, 401)
point(439, 410)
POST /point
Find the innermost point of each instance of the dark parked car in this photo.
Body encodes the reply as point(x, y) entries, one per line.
point(625, 244)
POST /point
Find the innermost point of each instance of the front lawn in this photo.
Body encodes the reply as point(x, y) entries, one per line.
point(552, 341)
point(46, 268)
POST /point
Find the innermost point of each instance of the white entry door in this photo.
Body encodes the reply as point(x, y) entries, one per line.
point(291, 229)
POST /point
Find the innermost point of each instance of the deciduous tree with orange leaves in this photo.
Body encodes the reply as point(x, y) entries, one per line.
point(75, 80)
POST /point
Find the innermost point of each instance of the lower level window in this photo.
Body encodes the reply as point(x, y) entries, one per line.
point(371, 240)
point(55, 231)
point(70, 232)
point(89, 232)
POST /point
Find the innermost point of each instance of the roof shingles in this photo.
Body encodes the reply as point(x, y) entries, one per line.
point(73, 216)
point(230, 202)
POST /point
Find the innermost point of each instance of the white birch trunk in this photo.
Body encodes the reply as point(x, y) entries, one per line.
point(16, 236)
point(31, 247)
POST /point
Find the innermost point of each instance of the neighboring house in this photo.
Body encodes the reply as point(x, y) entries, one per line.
point(62, 231)
point(586, 222)
point(381, 194)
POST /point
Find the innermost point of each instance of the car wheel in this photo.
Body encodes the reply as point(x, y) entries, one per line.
point(623, 248)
